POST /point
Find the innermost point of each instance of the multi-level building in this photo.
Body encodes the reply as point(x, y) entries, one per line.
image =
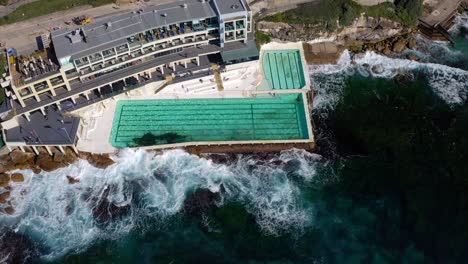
point(84, 65)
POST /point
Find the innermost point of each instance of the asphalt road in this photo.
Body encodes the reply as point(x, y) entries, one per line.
point(22, 35)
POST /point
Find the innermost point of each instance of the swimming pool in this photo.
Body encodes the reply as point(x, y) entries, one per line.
point(156, 122)
point(283, 69)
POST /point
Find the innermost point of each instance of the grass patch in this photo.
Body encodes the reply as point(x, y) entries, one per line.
point(2, 95)
point(44, 7)
point(3, 63)
point(261, 38)
point(329, 15)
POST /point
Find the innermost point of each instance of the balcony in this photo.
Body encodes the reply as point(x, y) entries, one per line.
point(138, 56)
point(162, 34)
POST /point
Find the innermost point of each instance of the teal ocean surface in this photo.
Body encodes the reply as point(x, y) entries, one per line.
point(387, 184)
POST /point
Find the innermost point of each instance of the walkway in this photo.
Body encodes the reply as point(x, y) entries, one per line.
point(442, 11)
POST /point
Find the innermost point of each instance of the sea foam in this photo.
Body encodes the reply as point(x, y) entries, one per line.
point(61, 216)
point(450, 83)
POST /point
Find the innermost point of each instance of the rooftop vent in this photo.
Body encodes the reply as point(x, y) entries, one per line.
point(184, 5)
point(155, 11)
point(234, 6)
point(75, 36)
point(164, 15)
point(108, 25)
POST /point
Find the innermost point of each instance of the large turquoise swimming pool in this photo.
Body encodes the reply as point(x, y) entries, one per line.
point(154, 122)
point(283, 69)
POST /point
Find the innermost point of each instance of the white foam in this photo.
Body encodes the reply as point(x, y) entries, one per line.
point(451, 84)
point(59, 215)
point(461, 21)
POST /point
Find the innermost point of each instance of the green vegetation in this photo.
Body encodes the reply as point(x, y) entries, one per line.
point(261, 38)
point(2, 95)
point(3, 2)
point(3, 63)
point(2, 71)
point(331, 14)
point(44, 7)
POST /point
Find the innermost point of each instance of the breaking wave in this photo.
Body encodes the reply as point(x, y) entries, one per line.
point(449, 83)
point(109, 203)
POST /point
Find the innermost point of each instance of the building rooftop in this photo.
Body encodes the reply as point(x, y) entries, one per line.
point(230, 6)
point(55, 129)
point(113, 31)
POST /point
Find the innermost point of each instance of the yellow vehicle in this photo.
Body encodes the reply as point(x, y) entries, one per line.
point(86, 21)
point(82, 20)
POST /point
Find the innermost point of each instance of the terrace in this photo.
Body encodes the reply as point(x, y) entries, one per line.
point(140, 56)
point(79, 88)
point(33, 67)
point(53, 129)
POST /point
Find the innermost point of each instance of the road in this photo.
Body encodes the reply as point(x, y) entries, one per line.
point(22, 35)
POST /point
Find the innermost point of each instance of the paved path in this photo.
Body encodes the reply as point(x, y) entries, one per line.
point(22, 35)
point(442, 10)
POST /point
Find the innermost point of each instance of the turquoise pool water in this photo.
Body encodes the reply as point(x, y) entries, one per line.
point(283, 69)
point(153, 122)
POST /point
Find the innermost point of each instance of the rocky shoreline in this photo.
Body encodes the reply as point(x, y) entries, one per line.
point(18, 160)
point(379, 35)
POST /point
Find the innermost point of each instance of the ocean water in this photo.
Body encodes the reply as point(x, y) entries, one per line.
point(387, 184)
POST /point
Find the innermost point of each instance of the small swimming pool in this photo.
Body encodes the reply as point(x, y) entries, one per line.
point(156, 122)
point(283, 69)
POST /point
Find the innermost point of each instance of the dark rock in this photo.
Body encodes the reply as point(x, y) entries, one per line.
point(412, 57)
point(4, 197)
point(18, 157)
point(9, 210)
point(70, 156)
point(59, 156)
point(387, 51)
point(378, 69)
point(16, 248)
point(220, 158)
point(160, 175)
point(105, 210)
point(411, 42)
point(72, 180)
point(404, 79)
point(200, 201)
point(4, 180)
point(399, 45)
point(97, 160)
point(36, 170)
point(17, 177)
point(47, 163)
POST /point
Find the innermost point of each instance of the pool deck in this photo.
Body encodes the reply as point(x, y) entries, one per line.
point(243, 80)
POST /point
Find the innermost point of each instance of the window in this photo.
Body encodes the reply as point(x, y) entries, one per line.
point(122, 48)
point(41, 86)
point(25, 91)
point(95, 57)
point(108, 53)
point(229, 26)
point(56, 80)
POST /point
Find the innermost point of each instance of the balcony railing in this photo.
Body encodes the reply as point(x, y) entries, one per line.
point(147, 50)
